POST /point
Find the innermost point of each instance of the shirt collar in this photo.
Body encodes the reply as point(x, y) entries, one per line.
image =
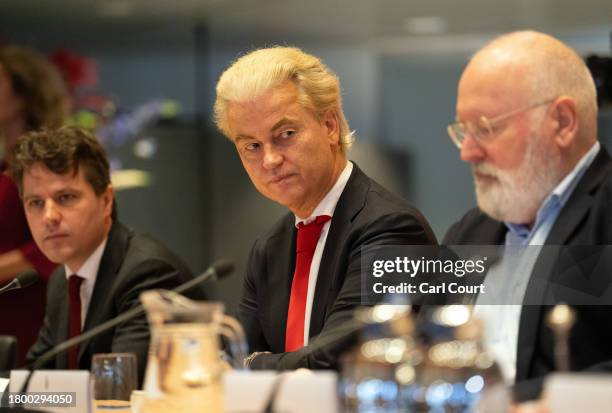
point(89, 269)
point(330, 200)
point(568, 184)
point(559, 196)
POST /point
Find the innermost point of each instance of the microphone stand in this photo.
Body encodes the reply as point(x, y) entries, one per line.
point(214, 272)
point(25, 279)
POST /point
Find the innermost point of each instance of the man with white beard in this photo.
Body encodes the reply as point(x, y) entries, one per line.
point(527, 125)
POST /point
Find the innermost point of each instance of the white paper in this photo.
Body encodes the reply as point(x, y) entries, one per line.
point(572, 393)
point(57, 381)
point(299, 392)
point(3, 384)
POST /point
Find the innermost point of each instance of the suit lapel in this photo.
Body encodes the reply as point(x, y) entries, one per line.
point(113, 255)
point(484, 232)
point(281, 264)
point(580, 201)
point(532, 315)
point(350, 203)
point(567, 223)
point(62, 326)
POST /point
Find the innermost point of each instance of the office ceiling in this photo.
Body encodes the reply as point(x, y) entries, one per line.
point(350, 18)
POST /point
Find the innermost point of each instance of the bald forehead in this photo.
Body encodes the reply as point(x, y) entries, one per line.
point(511, 65)
point(503, 55)
point(526, 43)
point(533, 50)
point(494, 80)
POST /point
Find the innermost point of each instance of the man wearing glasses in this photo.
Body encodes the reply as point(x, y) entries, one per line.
point(527, 125)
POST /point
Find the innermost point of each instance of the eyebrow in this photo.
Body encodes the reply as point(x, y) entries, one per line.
point(242, 137)
point(27, 197)
point(282, 122)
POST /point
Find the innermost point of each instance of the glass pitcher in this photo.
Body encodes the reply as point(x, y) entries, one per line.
point(457, 374)
point(185, 363)
point(433, 363)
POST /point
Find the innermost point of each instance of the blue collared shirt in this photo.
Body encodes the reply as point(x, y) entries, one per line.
point(507, 281)
point(521, 235)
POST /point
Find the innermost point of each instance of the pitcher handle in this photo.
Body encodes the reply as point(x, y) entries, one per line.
point(233, 331)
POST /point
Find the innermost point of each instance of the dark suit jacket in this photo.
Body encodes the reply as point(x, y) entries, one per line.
point(585, 221)
point(131, 263)
point(366, 214)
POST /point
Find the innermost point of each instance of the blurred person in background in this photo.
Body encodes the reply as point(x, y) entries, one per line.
point(282, 109)
point(527, 125)
point(32, 95)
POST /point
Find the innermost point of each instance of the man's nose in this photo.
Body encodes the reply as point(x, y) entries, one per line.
point(272, 157)
point(51, 213)
point(471, 150)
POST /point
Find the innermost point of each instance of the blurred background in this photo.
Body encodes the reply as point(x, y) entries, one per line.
point(143, 74)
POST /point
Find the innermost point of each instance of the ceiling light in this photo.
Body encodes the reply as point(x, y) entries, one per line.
point(117, 8)
point(425, 25)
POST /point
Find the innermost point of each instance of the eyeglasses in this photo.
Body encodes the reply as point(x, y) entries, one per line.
point(484, 128)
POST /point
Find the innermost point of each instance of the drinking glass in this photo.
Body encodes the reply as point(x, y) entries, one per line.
point(114, 377)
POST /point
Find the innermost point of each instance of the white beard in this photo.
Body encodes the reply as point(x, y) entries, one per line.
point(516, 195)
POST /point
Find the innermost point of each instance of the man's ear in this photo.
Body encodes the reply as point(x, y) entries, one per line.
point(330, 120)
point(108, 196)
point(564, 112)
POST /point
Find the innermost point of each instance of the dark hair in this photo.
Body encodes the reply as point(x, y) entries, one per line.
point(39, 84)
point(62, 151)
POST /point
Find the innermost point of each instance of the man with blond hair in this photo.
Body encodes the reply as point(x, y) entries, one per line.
point(282, 109)
point(527, 125)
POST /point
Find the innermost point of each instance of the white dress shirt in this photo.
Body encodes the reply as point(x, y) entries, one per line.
point(325, 207)
point(89, 273)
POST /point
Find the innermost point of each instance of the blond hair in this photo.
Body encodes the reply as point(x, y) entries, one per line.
point(259, 71)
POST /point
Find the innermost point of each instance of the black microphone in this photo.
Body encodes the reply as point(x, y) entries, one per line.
point(216, 271)
point(23, 280)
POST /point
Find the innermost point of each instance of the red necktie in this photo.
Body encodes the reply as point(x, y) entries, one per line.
point(74, 326)
point(307, 238)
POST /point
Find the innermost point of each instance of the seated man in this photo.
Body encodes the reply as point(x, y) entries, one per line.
point(64, 181)
point(527, 124)
point(282, 110)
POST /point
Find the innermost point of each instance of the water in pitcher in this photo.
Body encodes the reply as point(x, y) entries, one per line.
point(184, 370)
